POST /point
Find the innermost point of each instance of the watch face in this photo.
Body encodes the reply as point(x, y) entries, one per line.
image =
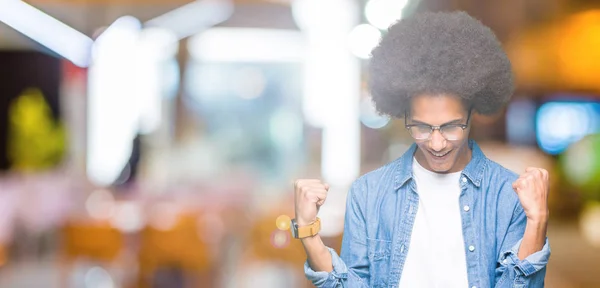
point(294, 228)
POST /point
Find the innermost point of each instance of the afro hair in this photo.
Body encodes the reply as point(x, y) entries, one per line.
point(440, 53)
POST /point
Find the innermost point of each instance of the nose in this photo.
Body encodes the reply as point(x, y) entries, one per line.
point(437, 142)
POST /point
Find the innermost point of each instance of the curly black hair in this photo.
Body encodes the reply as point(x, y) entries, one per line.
point(440, 53)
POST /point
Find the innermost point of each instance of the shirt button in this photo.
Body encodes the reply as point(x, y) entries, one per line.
point(464, 179)
point(466, 208)
point(471, 248)
point(505, 261)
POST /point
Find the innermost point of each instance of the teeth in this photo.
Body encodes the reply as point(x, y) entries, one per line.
point(439, 155)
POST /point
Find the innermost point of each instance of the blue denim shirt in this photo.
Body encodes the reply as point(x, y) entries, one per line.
point(380, 213)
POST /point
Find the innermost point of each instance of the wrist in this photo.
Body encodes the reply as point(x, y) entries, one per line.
point(540, 219)
point(312, 241)
point(533, 238)
point(314, 244)
point(536, 226)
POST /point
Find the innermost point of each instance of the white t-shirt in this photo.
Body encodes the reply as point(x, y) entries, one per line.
point(436, 255)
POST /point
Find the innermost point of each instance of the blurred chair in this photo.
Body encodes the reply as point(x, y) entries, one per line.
point(178, 250)
point(95, 241)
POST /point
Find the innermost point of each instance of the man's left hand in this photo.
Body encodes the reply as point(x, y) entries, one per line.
point(532, 189)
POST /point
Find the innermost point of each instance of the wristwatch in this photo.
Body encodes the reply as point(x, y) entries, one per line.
point(305, 231)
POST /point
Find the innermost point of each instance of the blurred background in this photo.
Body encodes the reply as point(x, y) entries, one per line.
point(154, 143)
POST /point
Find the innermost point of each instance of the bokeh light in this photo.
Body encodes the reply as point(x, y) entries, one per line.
point(280, 239)
point(163, 216)
point(363, 39)
point(97, 277)
point(128, 217)
point(581, 165)
point(561, 123)
point(100, 204)
point(283, 222)
point(383, 13)
point(370, 117)
point(590, 224)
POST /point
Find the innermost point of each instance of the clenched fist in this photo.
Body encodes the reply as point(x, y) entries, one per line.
point(532, 189)
point(309, 196)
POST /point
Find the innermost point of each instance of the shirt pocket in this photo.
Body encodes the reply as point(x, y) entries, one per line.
point(379, 253)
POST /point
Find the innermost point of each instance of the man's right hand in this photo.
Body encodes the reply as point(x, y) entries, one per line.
point(309, 196)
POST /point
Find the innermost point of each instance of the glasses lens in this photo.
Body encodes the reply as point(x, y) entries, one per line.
point(452, 132)
point(420, 132)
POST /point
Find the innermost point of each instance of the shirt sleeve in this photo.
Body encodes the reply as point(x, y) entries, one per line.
point(514, 272)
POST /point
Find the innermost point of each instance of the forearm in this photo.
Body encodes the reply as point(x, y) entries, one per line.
point(534, 238)
point(319, 257)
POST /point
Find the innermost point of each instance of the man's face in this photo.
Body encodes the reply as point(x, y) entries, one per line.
point(441, 152)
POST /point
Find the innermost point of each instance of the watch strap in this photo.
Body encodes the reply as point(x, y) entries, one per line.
point(306, 231)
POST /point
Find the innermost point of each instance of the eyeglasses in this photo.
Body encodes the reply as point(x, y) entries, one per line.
point(450, 132)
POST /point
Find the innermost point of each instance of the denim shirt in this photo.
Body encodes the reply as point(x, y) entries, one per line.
point(380, 213)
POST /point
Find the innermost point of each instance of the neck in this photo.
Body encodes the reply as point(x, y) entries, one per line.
point(464, 157)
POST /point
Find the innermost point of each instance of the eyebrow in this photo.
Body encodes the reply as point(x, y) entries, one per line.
point(455, 121)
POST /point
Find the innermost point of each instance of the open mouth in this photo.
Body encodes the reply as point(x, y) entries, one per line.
point(440, 156)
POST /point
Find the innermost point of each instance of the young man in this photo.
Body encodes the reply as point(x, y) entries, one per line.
point(442, 215)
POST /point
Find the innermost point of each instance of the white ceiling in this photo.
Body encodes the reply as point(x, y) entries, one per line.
point(88, 18)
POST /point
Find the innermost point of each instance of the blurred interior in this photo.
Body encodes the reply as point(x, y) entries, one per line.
point(154, 143)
